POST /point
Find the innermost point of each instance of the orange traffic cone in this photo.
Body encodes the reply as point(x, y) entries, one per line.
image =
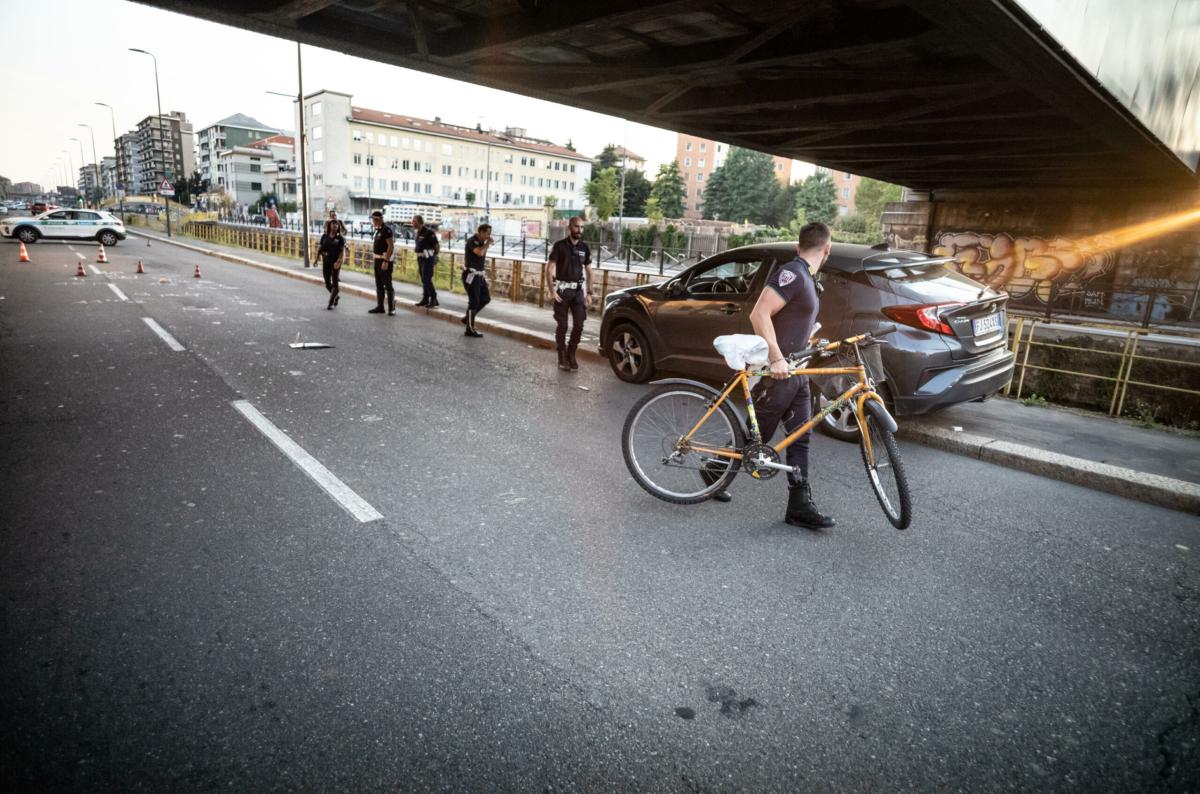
point(24, 254)
point(197, 273)
point(79, 271)
point(140, 270)
point(101, 256)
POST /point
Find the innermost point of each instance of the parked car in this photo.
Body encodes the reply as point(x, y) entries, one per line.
point(951, 346)
point(38, 207)
point(259, 219)
point(70, 224)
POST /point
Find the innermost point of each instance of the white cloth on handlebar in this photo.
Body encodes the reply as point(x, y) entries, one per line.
point(740, 350)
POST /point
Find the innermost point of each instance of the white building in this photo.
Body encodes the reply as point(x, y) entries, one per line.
point(361, 159)
point(228, 133)
point(246, 173)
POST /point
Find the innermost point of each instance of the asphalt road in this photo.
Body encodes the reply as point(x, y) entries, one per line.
point(184, 608)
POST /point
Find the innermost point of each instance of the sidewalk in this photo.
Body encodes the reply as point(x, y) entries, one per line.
point(1113, 455)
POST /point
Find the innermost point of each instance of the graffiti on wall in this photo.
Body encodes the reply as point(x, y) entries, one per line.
point(1023, 266)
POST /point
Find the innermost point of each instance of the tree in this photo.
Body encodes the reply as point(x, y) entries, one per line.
point(470, 197)
point(653, 213)
point(606, 159)
point(668, 190)
point(744, 187)
point(815, 196)
point(570, 146)
point(603, 191)
point(871, 196)
point(182, 191)
point(637, 191)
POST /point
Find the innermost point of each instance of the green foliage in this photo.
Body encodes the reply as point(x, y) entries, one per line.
point(743, 188)
point(550, 201)
point(603, 192)
point(653, 213)
point(470, 197)
point(637, 192)
point(648, 240)
point(767, 234)
point(1034, 401)
point(871, 197)
point(668, 190)
point(815, 196)
point(606, 159)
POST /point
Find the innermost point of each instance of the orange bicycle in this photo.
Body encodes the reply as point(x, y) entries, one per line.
point(686, 441)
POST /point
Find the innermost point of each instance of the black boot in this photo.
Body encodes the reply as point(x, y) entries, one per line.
point(711, 472)
point(376, 310)
point(422, 303)
point(801, 512)
point(563, 362)
point(571, 359)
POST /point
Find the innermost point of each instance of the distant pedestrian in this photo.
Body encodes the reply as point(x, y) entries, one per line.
point(474, 276)
point(332, 250)
point(333, 218)
point(384, 249)
point(427, 248)
point(567, 286)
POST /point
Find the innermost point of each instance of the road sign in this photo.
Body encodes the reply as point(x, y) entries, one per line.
point(166, 189)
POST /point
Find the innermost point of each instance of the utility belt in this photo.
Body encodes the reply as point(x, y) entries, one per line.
point(559, 286)
point(426, 254)
point(470, 275)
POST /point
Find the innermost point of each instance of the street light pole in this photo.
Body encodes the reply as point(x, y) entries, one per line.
point(302, 166)
point(158, 99)
point(95, 160)
point(119, 158)
point(71, 166)
point(82, 160)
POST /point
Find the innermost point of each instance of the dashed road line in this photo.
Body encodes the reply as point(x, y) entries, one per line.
point(171, 341)
point(96, 270)
point(117, 290)
point(341, 493)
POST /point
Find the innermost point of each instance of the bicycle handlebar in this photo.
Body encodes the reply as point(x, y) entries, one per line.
point(825, 346)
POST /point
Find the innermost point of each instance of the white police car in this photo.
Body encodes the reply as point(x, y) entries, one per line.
point(96, 225)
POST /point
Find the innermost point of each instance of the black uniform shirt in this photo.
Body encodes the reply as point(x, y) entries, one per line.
point(794, 322)
point(570, 259)
point(426, 240)
point(382, 235)
point(331, 248)
point(474, 261)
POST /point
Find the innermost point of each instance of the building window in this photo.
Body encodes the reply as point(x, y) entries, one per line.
point(523, 179)
point(357, 135)
point(256, 186)
point(703, 147)
point(556, 165)
point(382, 183)
point(358, 182)
point(720, 147)
point(316, 108)
point(404, 142)
point(395, 185)
point(370, 137)
point(447, 170)
point(416, 165)
point(845, 192)
point(404, 164)
point(317, 132)
point(357, 158)
point(318, 156)
point(687, 162)
point(699, 177)
point(404, 186)
point(429, 189)
point(700, 163)
point(687, 147)
point(572, 168)
point(395, 164)
point(508, 179)
point(524, 161)
point(847, 176)
point(370, 159)
point(541, 182)
point(255, 168)
point(429, 168)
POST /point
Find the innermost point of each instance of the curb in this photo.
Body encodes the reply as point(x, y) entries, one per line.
point(1154, 489)
point(535, 338)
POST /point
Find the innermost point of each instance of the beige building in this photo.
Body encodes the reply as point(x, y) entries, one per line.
point(631, 160)
point(361, 159)
point(699, 157)
point(846, 186)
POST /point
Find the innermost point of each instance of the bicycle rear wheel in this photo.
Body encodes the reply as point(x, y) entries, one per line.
point(886, 473)
point(654, 426)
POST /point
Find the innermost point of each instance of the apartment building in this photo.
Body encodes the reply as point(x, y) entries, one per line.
point(361, 159)
point(699, 157)
point(160, 148)
point(246, 173)
point(846, 187)
point(228, 133)
point(631, 160)
point(89, 182)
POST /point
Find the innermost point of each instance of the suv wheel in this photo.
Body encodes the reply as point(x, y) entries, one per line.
point(629, 354)
point(27, 234)
point(108, 238)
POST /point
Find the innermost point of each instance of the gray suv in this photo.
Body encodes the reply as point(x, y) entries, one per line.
point(951, 346)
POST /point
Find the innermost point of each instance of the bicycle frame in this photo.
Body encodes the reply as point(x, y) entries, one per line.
point(860, 392)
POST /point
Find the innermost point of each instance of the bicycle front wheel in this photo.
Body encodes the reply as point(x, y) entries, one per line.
point(886, 474)
point(653, 429)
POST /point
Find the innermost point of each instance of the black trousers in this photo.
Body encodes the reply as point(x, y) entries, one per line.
point(383, 284)
point(572, 303)
point(425, 266)
point(478, 295)
point(791, 401)
point(331, 275)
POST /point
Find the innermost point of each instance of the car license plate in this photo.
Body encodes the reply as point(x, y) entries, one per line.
point(987, 325)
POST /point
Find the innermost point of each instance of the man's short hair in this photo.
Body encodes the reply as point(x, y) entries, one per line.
point(418, 219)
point(814, 235)
point(484, 227)
point(377, 214)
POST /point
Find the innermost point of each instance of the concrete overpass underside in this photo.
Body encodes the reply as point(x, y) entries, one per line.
point(932, 94)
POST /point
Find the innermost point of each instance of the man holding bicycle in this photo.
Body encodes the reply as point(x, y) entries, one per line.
point(784, 316)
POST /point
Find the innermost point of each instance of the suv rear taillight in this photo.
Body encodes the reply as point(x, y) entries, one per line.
point(926, 316)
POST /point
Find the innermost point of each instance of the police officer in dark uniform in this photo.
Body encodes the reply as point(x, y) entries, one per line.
point(784, 316)
point(474, 276)
point(384, 242)
point(567, 287)
point(427, 247)
point(332, 250)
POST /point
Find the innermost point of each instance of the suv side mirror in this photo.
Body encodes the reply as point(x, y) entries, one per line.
point(675, 288)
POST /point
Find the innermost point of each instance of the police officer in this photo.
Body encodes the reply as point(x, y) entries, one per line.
point(384, 242)
point(332, 250)
point(567, 282)
point(784, 316)
point(474, 277)
point(427, 248)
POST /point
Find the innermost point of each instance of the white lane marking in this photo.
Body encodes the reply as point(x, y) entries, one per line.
point(95, 270)
point(171, 341)
point(341, 493)
point(81, 256)
point(117, 290)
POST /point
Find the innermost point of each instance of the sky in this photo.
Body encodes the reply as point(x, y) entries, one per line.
point(59, 57)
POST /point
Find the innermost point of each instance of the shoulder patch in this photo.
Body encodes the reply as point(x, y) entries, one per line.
point(786, 277)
